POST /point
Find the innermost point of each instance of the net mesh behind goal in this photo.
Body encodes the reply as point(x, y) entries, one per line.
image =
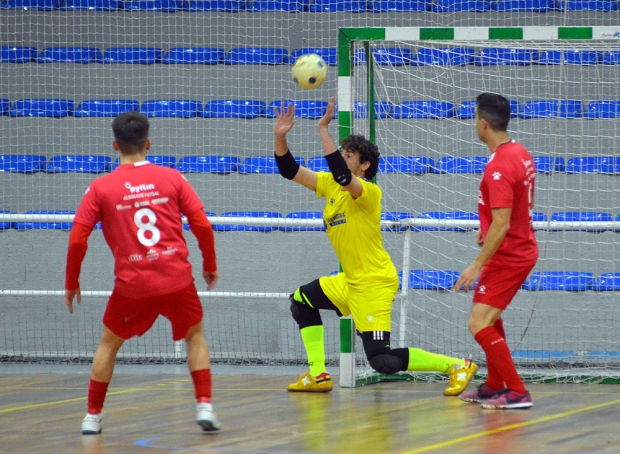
point(423, 85)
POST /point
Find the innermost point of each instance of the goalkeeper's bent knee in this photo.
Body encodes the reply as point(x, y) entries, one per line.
point(303, 313)
point(386, 364)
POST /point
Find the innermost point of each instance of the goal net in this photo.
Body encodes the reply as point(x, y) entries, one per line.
point(421, 85)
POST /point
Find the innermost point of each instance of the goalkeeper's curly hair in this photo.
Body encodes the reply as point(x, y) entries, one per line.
point(367, 150)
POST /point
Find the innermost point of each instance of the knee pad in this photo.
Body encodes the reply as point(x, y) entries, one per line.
point(302, 313)
point(386, 364)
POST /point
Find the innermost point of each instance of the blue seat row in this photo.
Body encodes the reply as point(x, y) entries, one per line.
point(252, 108)
point(353, 6)
point(222, 164)
point(445, 56)
point(572, 281)
point(152, 55)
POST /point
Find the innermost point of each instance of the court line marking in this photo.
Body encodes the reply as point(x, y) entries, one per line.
point(510, 427)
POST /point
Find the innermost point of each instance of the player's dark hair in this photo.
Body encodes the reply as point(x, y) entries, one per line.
point(367, 150)
point(131, 131)
point(495, 109)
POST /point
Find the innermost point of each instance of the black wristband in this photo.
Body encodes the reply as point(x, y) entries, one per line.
point(339, 169)
point(287, 165)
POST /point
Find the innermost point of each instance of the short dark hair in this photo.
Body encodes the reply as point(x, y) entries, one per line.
point(131, 131)
point(367, 150)
point(495, 109)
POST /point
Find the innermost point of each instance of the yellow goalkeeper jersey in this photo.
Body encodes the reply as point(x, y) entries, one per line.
point(354, 229)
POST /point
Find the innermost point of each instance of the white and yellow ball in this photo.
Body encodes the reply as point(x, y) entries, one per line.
point(309, 71)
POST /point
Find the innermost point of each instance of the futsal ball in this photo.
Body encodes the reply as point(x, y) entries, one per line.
point(309, 71)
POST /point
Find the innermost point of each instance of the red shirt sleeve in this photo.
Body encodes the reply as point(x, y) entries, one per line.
point(78, 244)
point(202, 230)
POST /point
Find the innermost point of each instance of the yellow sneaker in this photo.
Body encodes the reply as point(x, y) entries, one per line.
point(460, 376)
point(306, 383)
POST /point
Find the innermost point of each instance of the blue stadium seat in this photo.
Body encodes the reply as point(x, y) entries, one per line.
point(22, 163)
point(571, 108)
point(289, 6)
point(167, 108)
point(549, 57)
point(105, 107)
point(382, 109)
point(580, 57)
point(432, 279)
point(385, 56)
point(17, 54)
point(384, 6)
point(423, 109)
point(79, 164)
point(4, 225)
point(82, 55)
point(256, 56)
point(263, 164)
point(208, 164)
point(545, 355)
point(461, 164)
point(209, 215)
point(611, 57)
point(607, 282)
point(304, 215)
point(536, 6)
point(449, 6)
point(160, 160)
point(329, 54)
point(586, 5)
point(233, 108)
point(581, 216)
point(593, 164)
point(406, 164)
point(541, 108)
point(5, 105)
point(42, 108)
point(505, 56)
point(548, 164)
point(41, 5)
point(338, 6)
point(303, 109)
point(467, 110)
point(318, 164)
point(165, 6)
point(133, 55)
point(60, 225)
point(444, 56)
point(90, 5)
point(245, 228)
point(537, 216)
point(223, 6)
point(447, 215)
point(570, 281)
point(395, 216)
point(194, 56)
point(603, 109)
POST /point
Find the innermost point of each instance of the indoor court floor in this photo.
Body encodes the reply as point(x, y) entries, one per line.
point(151, 412)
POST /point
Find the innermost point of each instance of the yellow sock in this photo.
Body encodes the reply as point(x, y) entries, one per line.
point(423, 361)
point(312, 337)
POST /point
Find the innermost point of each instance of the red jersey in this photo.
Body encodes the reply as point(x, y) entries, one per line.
point(139, 206)
point(508, 182)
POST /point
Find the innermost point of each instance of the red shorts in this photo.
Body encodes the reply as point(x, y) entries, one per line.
point(127, 317)
point(498, 285)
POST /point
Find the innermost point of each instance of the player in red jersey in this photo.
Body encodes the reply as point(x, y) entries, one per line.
point(509, 252)
point(139, 206)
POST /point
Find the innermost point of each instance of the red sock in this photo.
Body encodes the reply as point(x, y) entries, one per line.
point(96, 395)
point(498, 356)
point(494, 379)
point(202, 385)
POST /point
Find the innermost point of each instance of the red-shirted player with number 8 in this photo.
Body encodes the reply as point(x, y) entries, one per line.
point(509, 252)
point(139, 206)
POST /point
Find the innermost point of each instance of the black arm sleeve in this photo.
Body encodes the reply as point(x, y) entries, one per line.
point(339, 169)
point(287, 165)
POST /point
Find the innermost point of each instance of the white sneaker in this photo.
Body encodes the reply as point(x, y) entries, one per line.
point(205, 417)
point(91, 425)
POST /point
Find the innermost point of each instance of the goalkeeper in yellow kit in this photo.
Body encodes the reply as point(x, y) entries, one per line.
point(366, 287)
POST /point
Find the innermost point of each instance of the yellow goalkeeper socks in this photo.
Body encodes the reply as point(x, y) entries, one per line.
point(423, 361)
point(312, 337)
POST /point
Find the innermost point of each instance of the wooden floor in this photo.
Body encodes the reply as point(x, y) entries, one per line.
point(41, 413)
